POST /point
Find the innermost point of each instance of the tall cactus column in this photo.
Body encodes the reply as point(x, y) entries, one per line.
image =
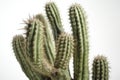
point(78, 23)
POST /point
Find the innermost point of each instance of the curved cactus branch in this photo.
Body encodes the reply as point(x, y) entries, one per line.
point(54, 19)
point(39, 60)
point(19, 49)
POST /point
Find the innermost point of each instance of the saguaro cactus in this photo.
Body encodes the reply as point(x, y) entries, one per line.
point(44, 53)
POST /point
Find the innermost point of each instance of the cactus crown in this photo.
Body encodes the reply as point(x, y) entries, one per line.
point(45, 55)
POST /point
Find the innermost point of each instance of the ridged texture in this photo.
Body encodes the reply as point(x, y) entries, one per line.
point(37, 39)
point(54, 19)
point(45, 51)
point(35, 53)
point(100, 70)
point(64, 48)
point(19, 50)
point(38, 42)
point(49, 44)
point(78, 23)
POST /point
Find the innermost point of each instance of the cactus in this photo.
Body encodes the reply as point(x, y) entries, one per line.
point(54, 19)
point(79, 29)
point(45, 51)
point(100, 68)
point(64, 48)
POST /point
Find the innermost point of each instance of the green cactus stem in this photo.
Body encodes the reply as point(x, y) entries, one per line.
point(18, 47)
point(49, 43)
point(78, 23)
point(100, 70)
point(64, 48)
point(54, 19)
point(38, 59)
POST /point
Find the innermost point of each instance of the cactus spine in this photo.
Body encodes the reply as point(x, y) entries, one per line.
point(45, 55)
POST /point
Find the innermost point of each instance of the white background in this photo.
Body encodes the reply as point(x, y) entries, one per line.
point(103, 22)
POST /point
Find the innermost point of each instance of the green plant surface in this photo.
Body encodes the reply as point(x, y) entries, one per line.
point(45, 51)
point(100, 68)
point(78, 23)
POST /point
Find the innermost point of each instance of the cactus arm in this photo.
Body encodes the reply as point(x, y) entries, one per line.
point(85, 44)
point(54, 19)
point(49, 43)
point(18, 47)
point(32, 70)
point(33, 40)
point(40, 62)
point(30, 31)
point(38, 42)
point(79, 29)
point(64, 48)
point(100, 68)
